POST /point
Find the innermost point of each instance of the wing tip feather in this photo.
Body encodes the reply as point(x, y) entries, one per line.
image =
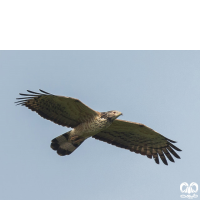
point(45, 92)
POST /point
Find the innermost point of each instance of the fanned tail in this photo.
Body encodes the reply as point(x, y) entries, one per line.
point(64, 145)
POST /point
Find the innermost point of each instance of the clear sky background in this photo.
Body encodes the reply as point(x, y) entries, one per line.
point(160, 89)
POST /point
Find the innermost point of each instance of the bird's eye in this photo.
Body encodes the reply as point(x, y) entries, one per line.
point(114, 112)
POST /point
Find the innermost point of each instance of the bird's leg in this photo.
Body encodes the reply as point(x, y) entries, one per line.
point(77, 139)
point(73, 138)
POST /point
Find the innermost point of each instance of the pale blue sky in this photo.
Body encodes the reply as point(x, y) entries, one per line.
point(160, 89)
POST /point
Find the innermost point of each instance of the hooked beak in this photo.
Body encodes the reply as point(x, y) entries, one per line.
point(120, 114)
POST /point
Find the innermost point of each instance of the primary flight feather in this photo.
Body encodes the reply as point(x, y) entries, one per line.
point(104, 126)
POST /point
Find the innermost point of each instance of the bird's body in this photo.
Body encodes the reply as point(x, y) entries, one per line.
point(104, 126)
point(90, 128)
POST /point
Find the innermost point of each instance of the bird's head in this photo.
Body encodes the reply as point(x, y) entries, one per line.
point(113, 114)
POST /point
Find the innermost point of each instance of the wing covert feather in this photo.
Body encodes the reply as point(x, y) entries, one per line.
point(65, 111)
point(139, 138)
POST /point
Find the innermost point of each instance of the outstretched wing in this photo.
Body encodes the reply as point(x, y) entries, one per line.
point(139, 139)
point(65, 111)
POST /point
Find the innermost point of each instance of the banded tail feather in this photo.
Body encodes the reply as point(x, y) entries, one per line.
point(65, 145)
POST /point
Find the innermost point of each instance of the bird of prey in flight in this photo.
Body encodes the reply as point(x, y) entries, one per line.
point(104, 126)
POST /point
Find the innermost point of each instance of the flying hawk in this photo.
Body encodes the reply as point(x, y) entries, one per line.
point(105, 126)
